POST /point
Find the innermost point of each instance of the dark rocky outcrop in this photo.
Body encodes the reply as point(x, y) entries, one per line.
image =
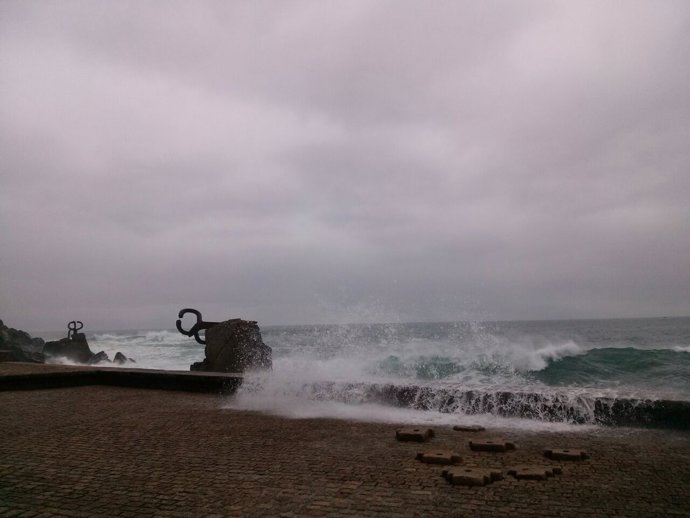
point(121, 358)
point(99, 357)
point(75, 349)
point(234, 346)
point(19, 346)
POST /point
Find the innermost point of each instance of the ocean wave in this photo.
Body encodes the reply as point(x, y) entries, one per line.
point(263, 392)
point(626, 366)
point(156, 336)
point(469, 356)
point(164, 337)
point(531, 359)
point(152, 349)
point(505, 362)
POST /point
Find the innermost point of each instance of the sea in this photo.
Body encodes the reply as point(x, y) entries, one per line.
point(542, 375)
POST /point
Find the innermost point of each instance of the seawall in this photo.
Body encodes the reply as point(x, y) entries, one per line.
point(21, 376)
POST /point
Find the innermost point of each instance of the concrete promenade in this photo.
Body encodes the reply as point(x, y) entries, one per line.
point(111, 451)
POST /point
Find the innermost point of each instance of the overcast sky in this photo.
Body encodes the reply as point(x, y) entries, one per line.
point(330, 162)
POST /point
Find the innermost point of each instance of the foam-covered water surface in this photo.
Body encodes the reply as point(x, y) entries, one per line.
point(568, 372)
point(299, 407)
point(524, 374)
point(150, 349)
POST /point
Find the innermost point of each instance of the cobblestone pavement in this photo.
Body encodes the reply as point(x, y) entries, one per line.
point(108, 451)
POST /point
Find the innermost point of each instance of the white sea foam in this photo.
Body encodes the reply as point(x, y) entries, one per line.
point(297, 400)
point(296, 408)
point(526, 357)
point(152, 349)
point(444, 359)
point(408, 362)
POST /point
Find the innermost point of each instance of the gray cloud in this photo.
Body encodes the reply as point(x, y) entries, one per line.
point(298, 162)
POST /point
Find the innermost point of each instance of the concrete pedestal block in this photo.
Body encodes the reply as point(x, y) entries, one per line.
point(414, 434)
point(498, 445)
point(439, 457)
point(565, 454)
point(534, 472)
point(471, 476)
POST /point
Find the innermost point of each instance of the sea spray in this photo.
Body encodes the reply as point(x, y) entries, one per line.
point(594, 372)
point(151, 349)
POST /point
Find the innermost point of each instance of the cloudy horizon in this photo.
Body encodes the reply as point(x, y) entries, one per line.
point(306, 162)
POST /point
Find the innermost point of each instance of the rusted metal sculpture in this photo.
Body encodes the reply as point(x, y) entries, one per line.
point(73, 327)
point(233, 345)
point(199, 326)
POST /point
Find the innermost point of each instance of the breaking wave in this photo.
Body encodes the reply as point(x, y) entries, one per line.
point(576, 372)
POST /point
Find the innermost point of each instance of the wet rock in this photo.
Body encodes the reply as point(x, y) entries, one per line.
point(99, 357)
point(121, 358)
point(18, 346)
point(234, 346)
point(74, 349)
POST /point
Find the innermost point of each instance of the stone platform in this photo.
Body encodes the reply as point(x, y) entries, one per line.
point(112, 451)
point(30, 376)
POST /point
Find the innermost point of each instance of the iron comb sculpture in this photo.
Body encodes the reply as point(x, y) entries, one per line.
point(73, 327)
point(200, 325)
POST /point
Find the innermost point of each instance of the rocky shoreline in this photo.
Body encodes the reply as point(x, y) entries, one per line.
point(233, 345)
point(19, 346)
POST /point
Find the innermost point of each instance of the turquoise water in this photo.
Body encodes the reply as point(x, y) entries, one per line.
point(636, 355)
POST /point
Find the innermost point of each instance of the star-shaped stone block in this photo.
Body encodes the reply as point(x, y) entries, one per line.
point(414, 434)
point(491, 445)
point(439, 457)
point(471, 476)
point(565, 454)
point(534, 472)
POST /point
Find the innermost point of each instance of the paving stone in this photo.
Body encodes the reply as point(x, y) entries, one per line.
point(471, 476)
point(160, 453)
point(439, 457)
point(469, 428)
point(534, 472)
point(491, 445)
point(565, 454)
point(414, 434)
